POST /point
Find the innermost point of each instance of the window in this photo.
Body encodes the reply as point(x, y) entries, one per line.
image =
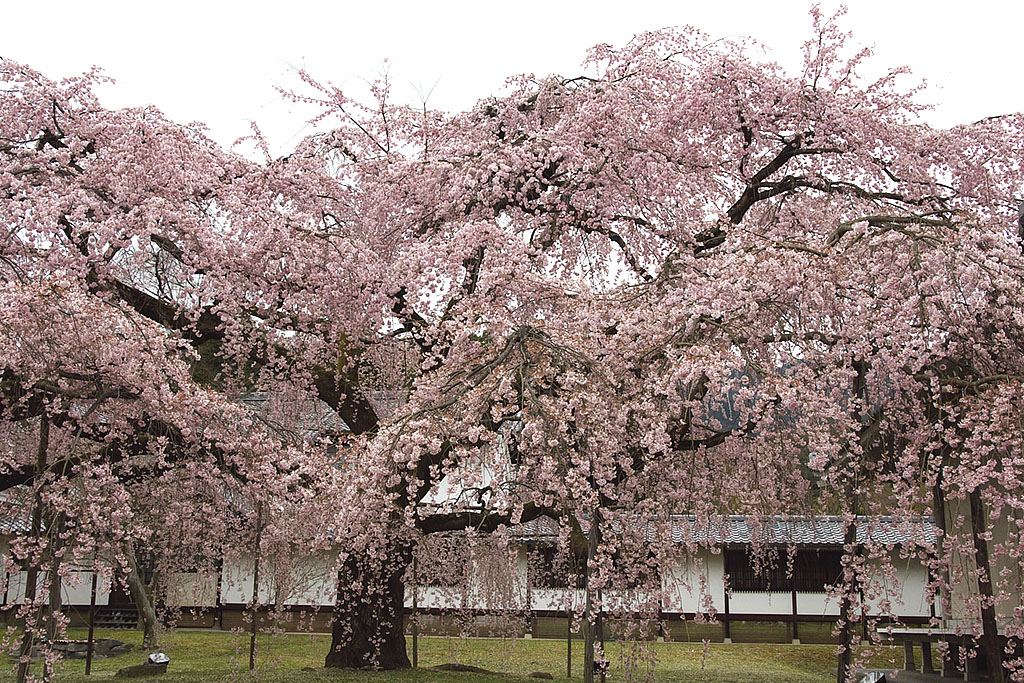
point(813, 569)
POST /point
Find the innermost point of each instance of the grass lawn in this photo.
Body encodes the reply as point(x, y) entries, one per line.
point(218, 655)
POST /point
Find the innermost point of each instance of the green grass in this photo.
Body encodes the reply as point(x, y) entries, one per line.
point(216, 655)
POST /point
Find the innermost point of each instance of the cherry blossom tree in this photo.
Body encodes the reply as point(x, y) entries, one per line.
point(120, 358)
point(684, 282)
point(650, 285)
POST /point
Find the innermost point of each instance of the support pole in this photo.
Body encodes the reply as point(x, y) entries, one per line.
point(846, 634)
point(256, 588)
point(415, 616)
point(796, 624)
point(92, 623)
point(568, 643)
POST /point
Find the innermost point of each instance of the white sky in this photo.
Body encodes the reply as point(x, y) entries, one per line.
point(218, 62)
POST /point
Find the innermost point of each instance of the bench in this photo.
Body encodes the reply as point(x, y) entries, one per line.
point(925, 637)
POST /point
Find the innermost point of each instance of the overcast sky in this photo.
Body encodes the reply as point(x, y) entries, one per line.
point(218, 62)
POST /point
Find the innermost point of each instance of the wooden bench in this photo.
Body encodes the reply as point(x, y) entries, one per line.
point(925, 637)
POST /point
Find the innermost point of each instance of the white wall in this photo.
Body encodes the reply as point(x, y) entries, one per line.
point(817, 604)
point(692, 585)
point(761, 602)
point(695, 584)
point(557, 599)
point(75, 589)
point(906, 595)
point(193, 589)
point(304, 581)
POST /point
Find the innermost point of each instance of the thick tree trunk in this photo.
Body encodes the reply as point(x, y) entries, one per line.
point(140, 596)
point(368, 628)
point(989, 630)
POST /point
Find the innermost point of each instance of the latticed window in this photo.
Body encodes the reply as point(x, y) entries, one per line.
point(812, 569)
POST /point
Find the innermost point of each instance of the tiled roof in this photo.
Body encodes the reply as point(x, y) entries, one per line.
point(15, 519)
point(774, 530)
point(312, 418)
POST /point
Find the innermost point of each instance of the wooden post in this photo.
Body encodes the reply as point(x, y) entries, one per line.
point(908, 655)
point(590, 617)
point(796, 630)
point(725, 620)
point(599, 621)
point(951, 662)
point(926, 657)
point(53, 533)
point(92, 623)
point(256, 587)
point(846, 634)
point(415, 616)
point(568, 643)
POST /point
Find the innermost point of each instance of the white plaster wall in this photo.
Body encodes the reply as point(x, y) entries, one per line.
point(16, 587)
point(817, 604)
point(501, 586)
point(236, 579)
point(557, 599)
point(504, 588)
point(689, 586)
point(436, 597)
point(193, 589)
point(630, 601)
point(75, 589)
point(958, 521)
point(309, 581)
point(905, 595)
point(761, 602)
point(303, 581)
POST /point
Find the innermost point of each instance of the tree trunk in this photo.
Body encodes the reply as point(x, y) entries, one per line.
point(368, 619)
point(939, 519)
point(54, 608)
point(28, 637)
point(255, 588)
point(140, 596)
point(846, 615)
point(591, 612)
point(989, 630)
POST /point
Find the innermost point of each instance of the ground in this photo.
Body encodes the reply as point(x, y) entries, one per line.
point(209, 655)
